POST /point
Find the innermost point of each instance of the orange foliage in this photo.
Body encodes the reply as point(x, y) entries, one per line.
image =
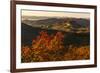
point(46, 47)
point(26, 53)
point(78, 53)
point(50, 42)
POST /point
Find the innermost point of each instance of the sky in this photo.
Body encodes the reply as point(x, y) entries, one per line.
point(55, 14)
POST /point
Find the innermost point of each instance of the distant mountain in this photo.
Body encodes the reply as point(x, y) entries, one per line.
point(64, 24)
point(80, 22)
point(48, 21)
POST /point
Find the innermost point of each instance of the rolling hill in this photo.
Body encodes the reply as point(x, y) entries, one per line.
point(64, 24)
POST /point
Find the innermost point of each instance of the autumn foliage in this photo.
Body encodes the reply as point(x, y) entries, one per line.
point(49, 42)
point(50, 47)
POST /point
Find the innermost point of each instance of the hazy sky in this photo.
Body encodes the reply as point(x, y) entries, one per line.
point(55, 14)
